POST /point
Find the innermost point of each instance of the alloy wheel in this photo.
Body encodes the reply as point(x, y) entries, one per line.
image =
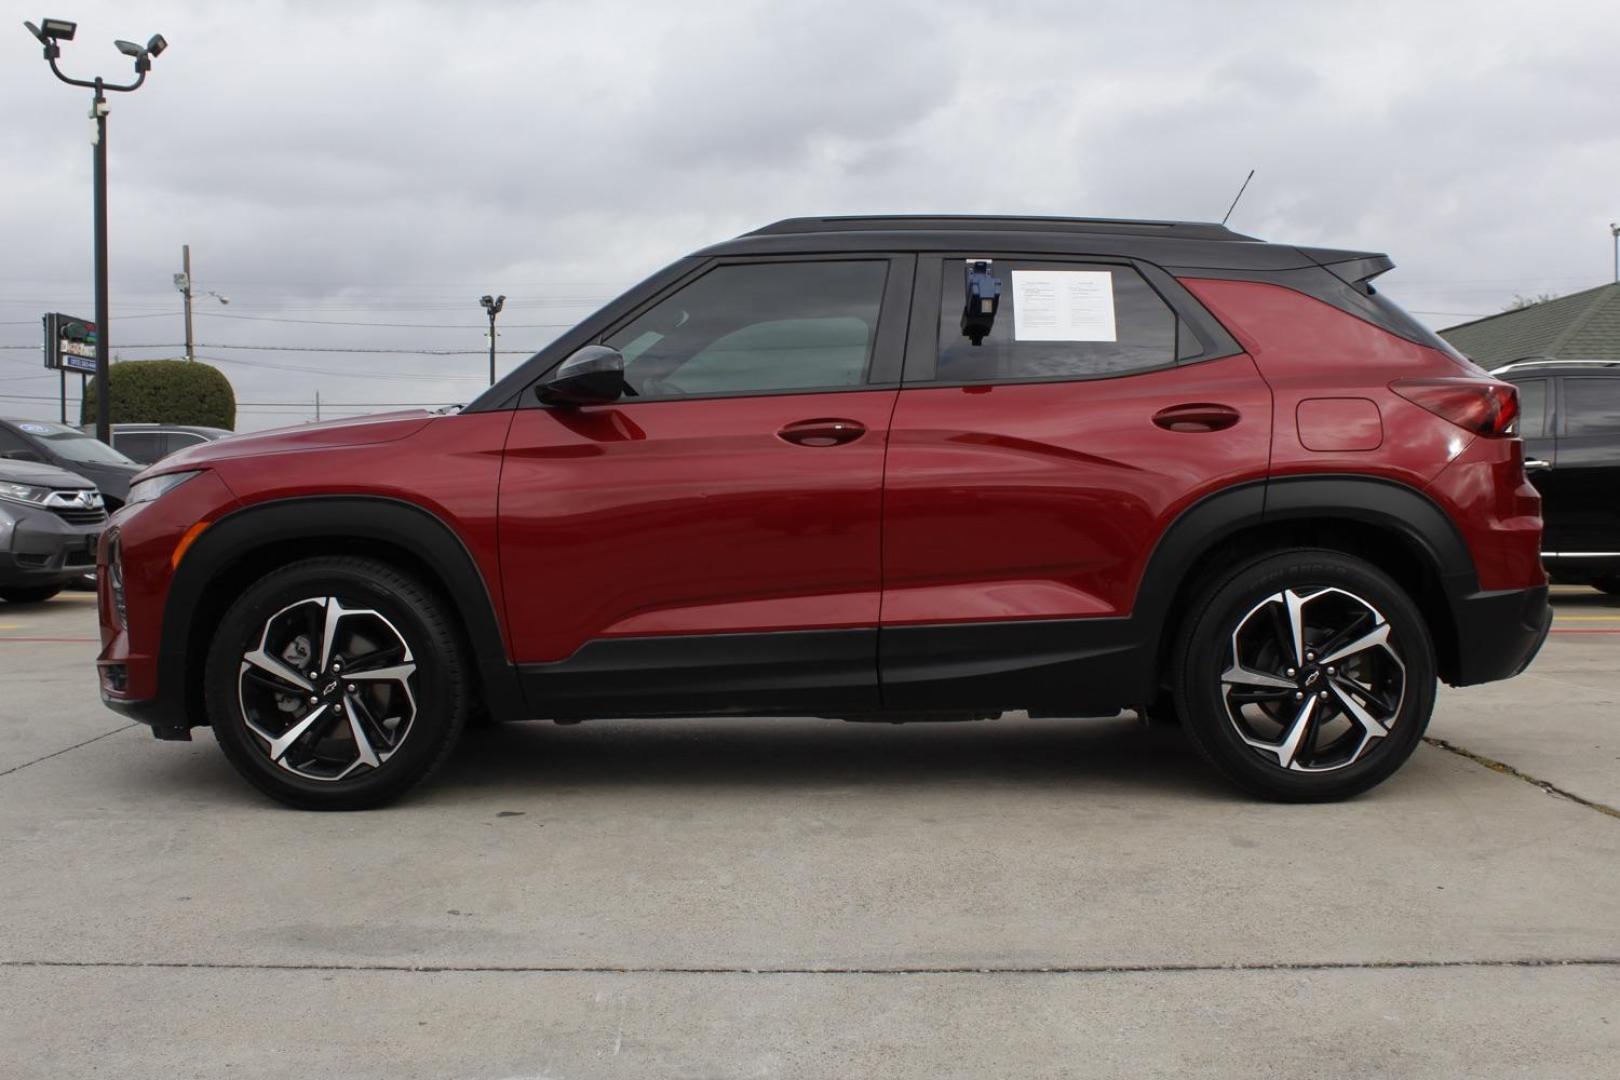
point(328, 689)
point(1315, 678)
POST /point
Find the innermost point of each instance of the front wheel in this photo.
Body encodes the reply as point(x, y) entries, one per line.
point(336, 683)
point(1305, 676)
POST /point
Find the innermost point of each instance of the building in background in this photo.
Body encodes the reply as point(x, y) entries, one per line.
point(1580, 326)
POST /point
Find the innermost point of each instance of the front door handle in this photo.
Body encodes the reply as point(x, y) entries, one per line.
point(832, 431)
point(1198, 416)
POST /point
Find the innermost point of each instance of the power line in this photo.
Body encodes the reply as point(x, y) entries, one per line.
point(416, 326)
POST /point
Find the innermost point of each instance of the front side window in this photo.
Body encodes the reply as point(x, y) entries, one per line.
point(1056, 320)
point(1591, 406)
point(758, 328)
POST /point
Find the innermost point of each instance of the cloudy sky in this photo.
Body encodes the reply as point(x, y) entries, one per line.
point(355, 175)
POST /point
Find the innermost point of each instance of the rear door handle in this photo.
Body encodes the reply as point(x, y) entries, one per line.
point(1535, 464)
point(833, 431)
point(1197, 416)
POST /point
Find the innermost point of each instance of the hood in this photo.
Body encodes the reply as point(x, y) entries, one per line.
point(29, 472)
point(355, 431)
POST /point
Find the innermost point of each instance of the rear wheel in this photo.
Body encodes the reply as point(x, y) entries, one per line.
point(1305, 676)
point(336, 684)
point(29, 594)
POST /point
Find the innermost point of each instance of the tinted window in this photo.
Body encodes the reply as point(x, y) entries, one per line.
point(1066, 301)
point(760, 328)
point(143, 446)
point(10, 441)
point(1533, 409)
point(179, 440)
point(1591, 406)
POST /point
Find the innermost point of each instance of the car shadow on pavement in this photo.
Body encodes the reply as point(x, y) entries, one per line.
point(755, 754)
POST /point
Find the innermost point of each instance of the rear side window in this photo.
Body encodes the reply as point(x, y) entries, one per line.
point(179, 440)
point(1533, 409)
point(1591, 406)
point(1056, 320)
point(757, 329)
point(143, 446)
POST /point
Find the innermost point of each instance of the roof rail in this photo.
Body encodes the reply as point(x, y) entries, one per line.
point(1548, 361)
point(1182, 230)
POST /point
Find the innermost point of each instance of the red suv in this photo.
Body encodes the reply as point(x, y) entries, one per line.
point(868, 468)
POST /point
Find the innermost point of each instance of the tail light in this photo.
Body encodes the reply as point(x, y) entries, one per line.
point(1483, 406)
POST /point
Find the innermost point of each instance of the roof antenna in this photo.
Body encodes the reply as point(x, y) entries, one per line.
point(1238, 196)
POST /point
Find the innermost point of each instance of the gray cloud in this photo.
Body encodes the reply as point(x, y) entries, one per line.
point(390, 162)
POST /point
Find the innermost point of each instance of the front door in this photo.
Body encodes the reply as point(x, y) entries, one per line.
point(712, 539)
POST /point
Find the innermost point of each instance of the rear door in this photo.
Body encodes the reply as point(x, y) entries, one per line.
point(1581, 493)
point(1030, 476)
point(1537, 401)
point(712, 539)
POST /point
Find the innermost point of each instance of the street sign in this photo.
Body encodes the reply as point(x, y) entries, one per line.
point(70, 343)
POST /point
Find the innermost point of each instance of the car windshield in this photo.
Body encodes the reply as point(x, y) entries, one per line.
point(76, 445)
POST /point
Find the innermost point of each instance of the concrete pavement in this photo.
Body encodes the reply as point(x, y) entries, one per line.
point(810, 898)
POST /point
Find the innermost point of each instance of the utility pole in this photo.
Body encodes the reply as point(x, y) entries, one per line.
point(49, 33)
point(317, 406)
point(493, 305)
point(182, 281)
point(1614, 230)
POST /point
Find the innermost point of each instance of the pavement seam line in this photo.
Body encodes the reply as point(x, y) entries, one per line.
point(1508, 770)
point(69, 749)
point(1055, 969)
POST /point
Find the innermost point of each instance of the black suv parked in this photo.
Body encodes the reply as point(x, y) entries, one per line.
point(62, 446)
point(50, 520)
point(1570, 422)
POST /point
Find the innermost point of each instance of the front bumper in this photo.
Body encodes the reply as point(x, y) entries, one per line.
point(1499, 633)
point(39, 548)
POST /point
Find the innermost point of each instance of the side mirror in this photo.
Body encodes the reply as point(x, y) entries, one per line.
point(24, 455)
point(593, 375)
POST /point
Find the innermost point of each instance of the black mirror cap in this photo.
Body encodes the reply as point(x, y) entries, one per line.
point(593, 375)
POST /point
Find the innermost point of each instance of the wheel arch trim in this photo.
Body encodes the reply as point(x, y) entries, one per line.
point(383, 520)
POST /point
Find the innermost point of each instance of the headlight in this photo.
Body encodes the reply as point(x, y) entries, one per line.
point(147, 490)
point(27, 493)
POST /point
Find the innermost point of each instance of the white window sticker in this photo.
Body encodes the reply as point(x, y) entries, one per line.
point(1063, 305)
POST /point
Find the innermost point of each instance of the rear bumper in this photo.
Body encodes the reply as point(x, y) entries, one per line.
point(1499, 633)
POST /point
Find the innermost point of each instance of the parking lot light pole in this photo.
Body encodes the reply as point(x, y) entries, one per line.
point(493, 305)
point(49, 33)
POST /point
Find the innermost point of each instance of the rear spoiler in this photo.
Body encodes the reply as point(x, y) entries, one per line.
point(1354, 268)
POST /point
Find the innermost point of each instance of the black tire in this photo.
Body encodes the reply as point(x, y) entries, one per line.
point(1610, 585)
point(29, 594)
point(437, 690)
point(1204, 652)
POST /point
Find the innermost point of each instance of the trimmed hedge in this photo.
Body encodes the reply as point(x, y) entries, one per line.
point(165, 392)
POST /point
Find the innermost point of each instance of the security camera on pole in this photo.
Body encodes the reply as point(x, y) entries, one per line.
point(49, 33)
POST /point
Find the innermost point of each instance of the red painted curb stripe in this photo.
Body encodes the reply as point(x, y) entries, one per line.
point(1572, 630)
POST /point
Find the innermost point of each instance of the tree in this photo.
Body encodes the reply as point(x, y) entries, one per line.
point(165, 392)
point(1522, 302)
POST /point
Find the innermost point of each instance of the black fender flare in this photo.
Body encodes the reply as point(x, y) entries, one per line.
point(1396, 508)
point(380, 519)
